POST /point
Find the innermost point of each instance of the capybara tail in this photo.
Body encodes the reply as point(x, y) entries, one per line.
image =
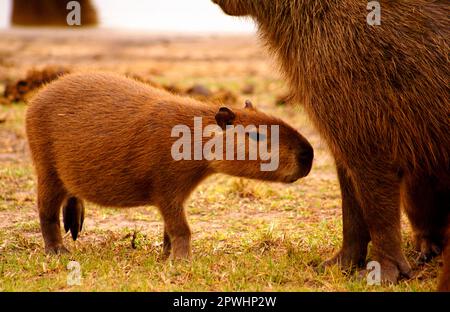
point(73, 216)
point(444, 283)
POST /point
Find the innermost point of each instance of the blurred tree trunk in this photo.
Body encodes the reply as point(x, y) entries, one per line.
point(50, 13)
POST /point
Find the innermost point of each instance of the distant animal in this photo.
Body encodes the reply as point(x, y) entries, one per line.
point(51, 13)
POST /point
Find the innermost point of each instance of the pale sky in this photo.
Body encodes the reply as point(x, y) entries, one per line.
point(159, 15)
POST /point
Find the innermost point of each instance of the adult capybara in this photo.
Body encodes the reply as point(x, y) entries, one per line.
point(379, 96)
point(115, 141)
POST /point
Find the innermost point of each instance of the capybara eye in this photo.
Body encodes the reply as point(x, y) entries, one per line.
point(256, 136)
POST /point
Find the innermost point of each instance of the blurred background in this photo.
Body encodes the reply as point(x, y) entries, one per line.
point(241, 227)
point(197, 16)
point(187, 47)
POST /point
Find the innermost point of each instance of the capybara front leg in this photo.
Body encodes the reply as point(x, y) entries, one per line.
point(379, 195)
point(426, 202)
point(355, 232)
point(166, 244)
point(50, 197)
point(177, 230)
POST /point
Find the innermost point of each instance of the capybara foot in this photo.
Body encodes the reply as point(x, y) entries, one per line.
point(181, 248)
point(391, 270)
point(427, 248)
point(73, 216)
point(389, 273)
point(346, 259)
point(180, 255)
point(56, 250)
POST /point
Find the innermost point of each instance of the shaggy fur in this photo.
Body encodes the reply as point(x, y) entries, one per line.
point(379, 95)
point(107, 139)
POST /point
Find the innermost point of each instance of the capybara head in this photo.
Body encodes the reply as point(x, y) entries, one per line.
point(271, 149)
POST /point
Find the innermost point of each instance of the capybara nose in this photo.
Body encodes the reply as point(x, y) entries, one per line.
point(305, 159)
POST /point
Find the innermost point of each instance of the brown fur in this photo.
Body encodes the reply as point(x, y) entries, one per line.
point(50, 13)
point(107, 139)
point(379, 95)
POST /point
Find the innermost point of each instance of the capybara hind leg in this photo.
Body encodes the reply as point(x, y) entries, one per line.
point(379, 195)
point(355, 232)
point(50, 197)
point(426, 203)
point(178, 231)
point(73, 216)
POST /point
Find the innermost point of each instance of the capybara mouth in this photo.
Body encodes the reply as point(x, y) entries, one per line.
point(292, 178)
point(305, 160)
point(305, 170)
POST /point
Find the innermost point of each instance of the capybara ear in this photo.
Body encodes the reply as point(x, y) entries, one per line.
point(225, 117)
point(249, 105)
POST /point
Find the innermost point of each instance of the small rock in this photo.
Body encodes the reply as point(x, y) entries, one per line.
point(248, 89)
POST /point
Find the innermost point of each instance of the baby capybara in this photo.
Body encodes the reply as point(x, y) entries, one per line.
point(379, 96)
point(110, 140)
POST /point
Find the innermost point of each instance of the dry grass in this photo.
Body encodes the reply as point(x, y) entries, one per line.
point(247, 235)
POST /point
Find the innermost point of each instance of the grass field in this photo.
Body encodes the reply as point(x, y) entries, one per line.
point(247, 235)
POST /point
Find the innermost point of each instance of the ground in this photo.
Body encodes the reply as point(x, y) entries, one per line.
point(247, 235)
